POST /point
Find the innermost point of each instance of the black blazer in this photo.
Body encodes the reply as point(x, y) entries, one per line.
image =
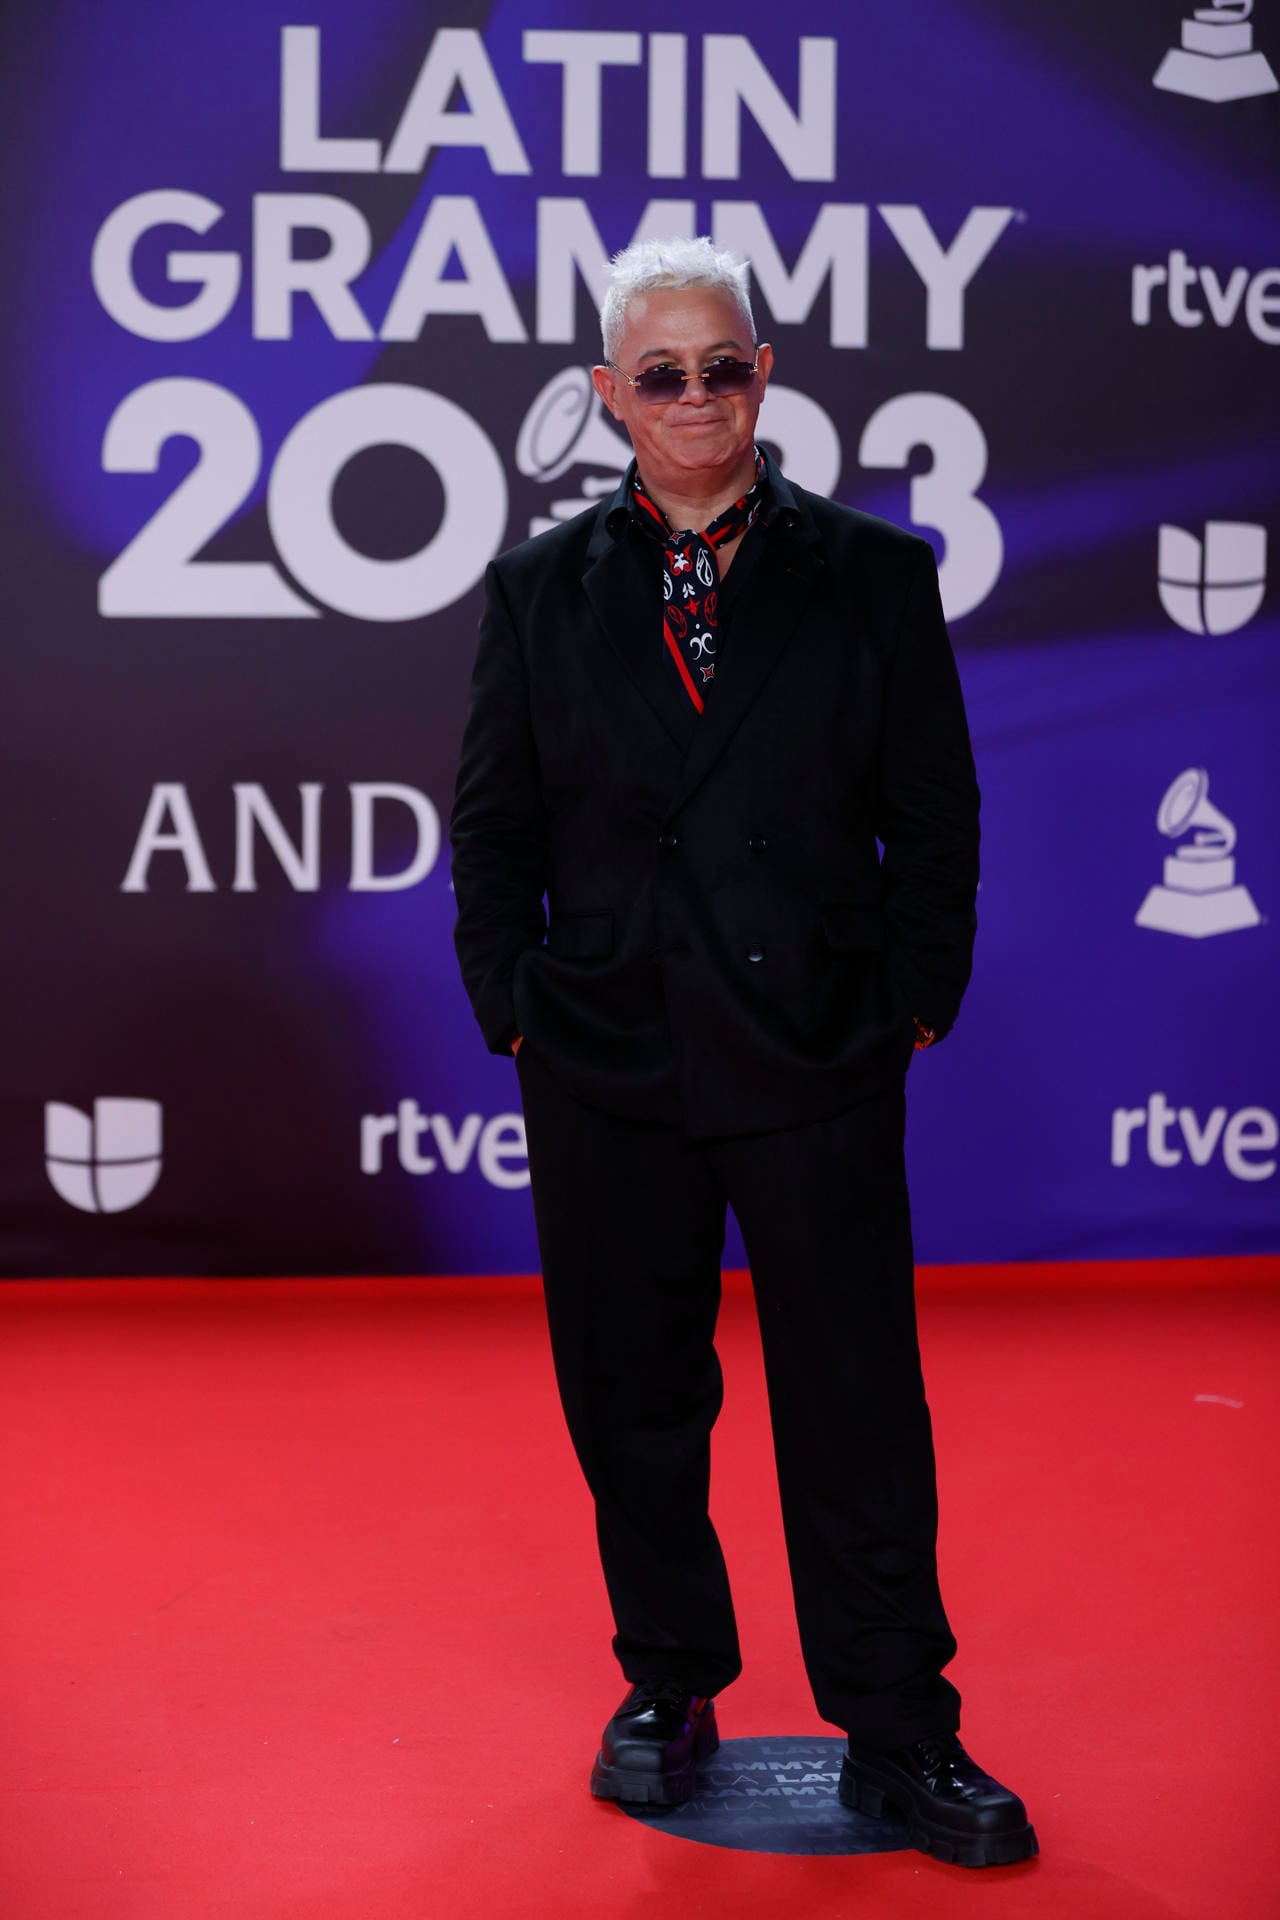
point(726, 946)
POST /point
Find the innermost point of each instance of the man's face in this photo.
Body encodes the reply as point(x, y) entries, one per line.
point(680, 443)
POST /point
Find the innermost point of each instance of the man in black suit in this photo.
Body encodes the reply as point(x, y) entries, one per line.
point(695, 711)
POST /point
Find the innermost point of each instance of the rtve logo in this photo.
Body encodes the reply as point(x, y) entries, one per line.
point(497, 1145)
point(1242, 1136)
point(1216, 587)
point(1257, 295)
point(107, 1163)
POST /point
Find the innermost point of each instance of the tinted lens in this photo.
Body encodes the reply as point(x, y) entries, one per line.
point(728, 376)
point(660, 383)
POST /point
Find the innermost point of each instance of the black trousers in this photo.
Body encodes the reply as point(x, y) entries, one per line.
point(631, 1224)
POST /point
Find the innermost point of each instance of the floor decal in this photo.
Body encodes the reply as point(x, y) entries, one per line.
point(774, 1796)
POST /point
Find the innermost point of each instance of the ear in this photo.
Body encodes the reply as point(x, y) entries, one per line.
point(764, 361)
point(605, 382)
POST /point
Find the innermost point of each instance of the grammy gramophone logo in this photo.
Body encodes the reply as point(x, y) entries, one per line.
point(1199, 895)
point(1217, 59)
point(565, 427)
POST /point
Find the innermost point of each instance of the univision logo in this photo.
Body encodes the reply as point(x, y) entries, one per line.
point(107, 1163)
point(1217, 586)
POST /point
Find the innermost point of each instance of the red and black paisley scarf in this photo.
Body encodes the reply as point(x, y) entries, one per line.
point(691, 581)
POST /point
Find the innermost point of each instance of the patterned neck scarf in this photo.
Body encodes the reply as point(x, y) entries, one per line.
point(691, 579)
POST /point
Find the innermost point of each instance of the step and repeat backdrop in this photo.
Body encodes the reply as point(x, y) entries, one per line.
point(299, 311)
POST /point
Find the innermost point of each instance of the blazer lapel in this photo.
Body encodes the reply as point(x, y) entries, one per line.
point(778, 594)
point(626, 597)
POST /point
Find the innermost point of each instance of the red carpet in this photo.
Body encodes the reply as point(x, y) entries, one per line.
point(302, 1620)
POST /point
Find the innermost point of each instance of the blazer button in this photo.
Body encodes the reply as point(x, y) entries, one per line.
point(668, 840)
point(755, 953)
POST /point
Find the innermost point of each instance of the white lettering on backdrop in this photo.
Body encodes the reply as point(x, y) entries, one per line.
point(455, 267)
point(169, 826)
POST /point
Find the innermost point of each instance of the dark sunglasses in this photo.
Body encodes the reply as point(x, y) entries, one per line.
point(721, 379)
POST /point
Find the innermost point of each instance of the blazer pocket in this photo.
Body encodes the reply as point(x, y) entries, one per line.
point(581, 936)
point(852, 928)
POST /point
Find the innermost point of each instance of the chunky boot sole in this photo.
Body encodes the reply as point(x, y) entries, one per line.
point(883, 1799)
point(655, 1789)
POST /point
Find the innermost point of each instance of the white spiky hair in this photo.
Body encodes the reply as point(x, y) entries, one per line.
point(648, 264)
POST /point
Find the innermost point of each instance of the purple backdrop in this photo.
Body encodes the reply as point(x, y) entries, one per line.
point(294, 340)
